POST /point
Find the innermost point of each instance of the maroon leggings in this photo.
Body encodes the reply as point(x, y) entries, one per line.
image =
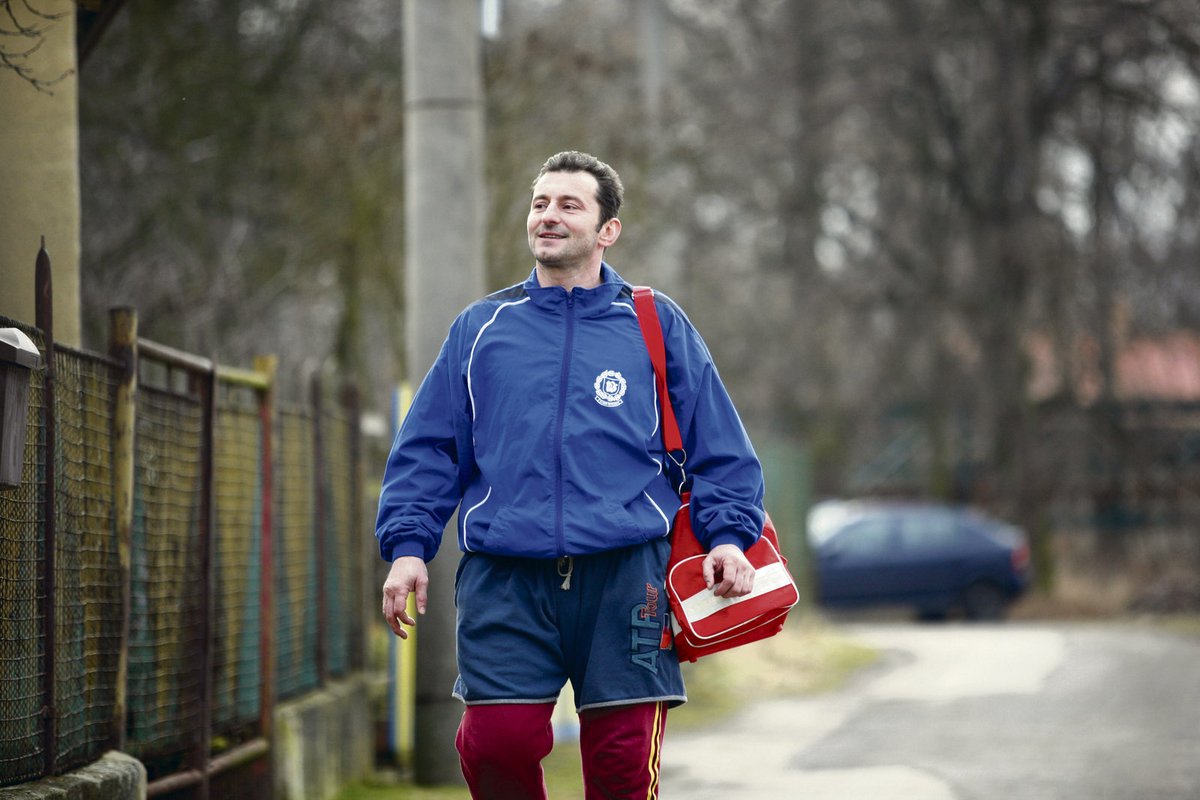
point(501, 748)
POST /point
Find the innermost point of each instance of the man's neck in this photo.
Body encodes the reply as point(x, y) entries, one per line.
point(585, 277)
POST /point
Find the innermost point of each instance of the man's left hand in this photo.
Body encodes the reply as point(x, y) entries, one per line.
point(728, 572)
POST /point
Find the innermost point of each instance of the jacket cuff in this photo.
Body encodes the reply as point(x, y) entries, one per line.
point(739, 539)
point(407, 549)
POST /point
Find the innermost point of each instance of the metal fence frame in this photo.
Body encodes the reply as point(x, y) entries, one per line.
point(144, 561)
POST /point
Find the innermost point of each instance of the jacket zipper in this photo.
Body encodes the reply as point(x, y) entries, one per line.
point(560, 538)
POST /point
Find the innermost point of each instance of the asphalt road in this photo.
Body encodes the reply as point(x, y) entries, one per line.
point(1004, 712)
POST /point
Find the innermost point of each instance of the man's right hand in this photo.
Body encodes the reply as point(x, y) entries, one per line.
point(408, 574)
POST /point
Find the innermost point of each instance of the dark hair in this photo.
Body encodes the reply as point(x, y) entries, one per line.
point(609, 191)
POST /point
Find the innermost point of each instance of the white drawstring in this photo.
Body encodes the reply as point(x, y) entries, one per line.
point(568, 563)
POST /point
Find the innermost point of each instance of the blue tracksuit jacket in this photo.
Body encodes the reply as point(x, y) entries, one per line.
point(540, 417)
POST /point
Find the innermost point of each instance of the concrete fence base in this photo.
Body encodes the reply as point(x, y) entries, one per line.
point(322, 742)
point(116, 776)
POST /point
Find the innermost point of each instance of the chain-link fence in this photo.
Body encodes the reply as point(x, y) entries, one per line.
point(166, 632)
point(22, 597)
point(238, 509)
point(296, 555)
point(88, 579)
point(237, 557)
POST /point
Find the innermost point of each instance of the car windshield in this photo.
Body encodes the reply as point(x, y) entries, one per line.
point(828, 518)
point(869, 536)
point(927, 529)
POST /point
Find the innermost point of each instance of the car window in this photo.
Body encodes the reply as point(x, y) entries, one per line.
point(866, 537)
point(928, 529)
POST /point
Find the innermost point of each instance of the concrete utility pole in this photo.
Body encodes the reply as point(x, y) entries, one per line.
point(39, 168)
point(444, 271)
point(653, 63)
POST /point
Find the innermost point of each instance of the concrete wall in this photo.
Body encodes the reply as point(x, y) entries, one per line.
point(116, 776)
point(323, 741)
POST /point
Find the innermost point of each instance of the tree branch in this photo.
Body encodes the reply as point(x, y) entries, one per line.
point(17, 61)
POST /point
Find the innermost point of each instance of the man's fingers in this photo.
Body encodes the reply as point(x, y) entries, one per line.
point(407, 577)
point(397, 615)
point(390, 611)
point(422, 596)
point(745, 583)
point(728, 582)
point(732, 573)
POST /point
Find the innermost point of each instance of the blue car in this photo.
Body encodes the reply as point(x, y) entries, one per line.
point(935, 559)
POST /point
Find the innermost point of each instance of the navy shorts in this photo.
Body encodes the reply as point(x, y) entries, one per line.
point(522, 635)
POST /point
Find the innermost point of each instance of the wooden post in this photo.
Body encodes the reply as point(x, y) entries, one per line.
point(122, 346)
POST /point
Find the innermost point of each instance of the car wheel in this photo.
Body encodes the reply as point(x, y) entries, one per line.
point(983, 601)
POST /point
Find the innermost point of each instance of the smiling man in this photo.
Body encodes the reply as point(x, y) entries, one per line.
point(539, 421)
point(564, 236)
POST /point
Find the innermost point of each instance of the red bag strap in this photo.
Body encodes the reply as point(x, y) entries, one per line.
point(647, 314)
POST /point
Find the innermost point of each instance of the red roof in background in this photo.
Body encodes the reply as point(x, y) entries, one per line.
point(1163, 368)
point(1160, 369)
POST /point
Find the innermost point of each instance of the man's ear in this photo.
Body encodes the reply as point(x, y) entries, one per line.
point(609, 232)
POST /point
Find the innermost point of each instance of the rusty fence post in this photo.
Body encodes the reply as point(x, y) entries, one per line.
point(268, 366)
point(321, 529)
point(206, 389)
point(49, 595)
point(123, 347)
point(358, 555)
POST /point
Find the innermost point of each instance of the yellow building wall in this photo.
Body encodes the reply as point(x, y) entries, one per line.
point(39, 171)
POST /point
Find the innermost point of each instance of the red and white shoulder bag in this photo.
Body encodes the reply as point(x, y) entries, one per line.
point(702, 622)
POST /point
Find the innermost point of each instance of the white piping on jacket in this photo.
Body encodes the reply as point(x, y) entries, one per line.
point(666, 521)
point(467, 518)
point(474, 344)
point(471, 397)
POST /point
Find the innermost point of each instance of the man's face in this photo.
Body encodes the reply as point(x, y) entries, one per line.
point(563, 219)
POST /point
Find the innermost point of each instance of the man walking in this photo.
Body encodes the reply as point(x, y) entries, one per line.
point(539, 422)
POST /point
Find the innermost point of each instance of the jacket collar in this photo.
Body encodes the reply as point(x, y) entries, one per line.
point(587, 302)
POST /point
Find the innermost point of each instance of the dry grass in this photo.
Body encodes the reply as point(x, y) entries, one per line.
point(1184, 624)
point(809, 656)
point(1154, 571)
point(1077, 597)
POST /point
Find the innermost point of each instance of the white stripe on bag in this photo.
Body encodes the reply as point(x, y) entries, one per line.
point(705, 603)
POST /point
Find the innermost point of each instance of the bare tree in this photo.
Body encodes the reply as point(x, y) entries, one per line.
point(240, 164)
point(22, 27)
point(874, 211)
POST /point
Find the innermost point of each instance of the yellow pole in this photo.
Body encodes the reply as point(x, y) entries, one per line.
point(404, 654)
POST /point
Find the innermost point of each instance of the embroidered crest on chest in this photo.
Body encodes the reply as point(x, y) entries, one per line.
point(610, 388)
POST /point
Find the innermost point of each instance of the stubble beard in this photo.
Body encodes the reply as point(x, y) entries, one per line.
point(571, 258)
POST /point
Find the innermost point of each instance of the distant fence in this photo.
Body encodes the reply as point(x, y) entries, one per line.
point(184, 550)
point(1124, 467)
